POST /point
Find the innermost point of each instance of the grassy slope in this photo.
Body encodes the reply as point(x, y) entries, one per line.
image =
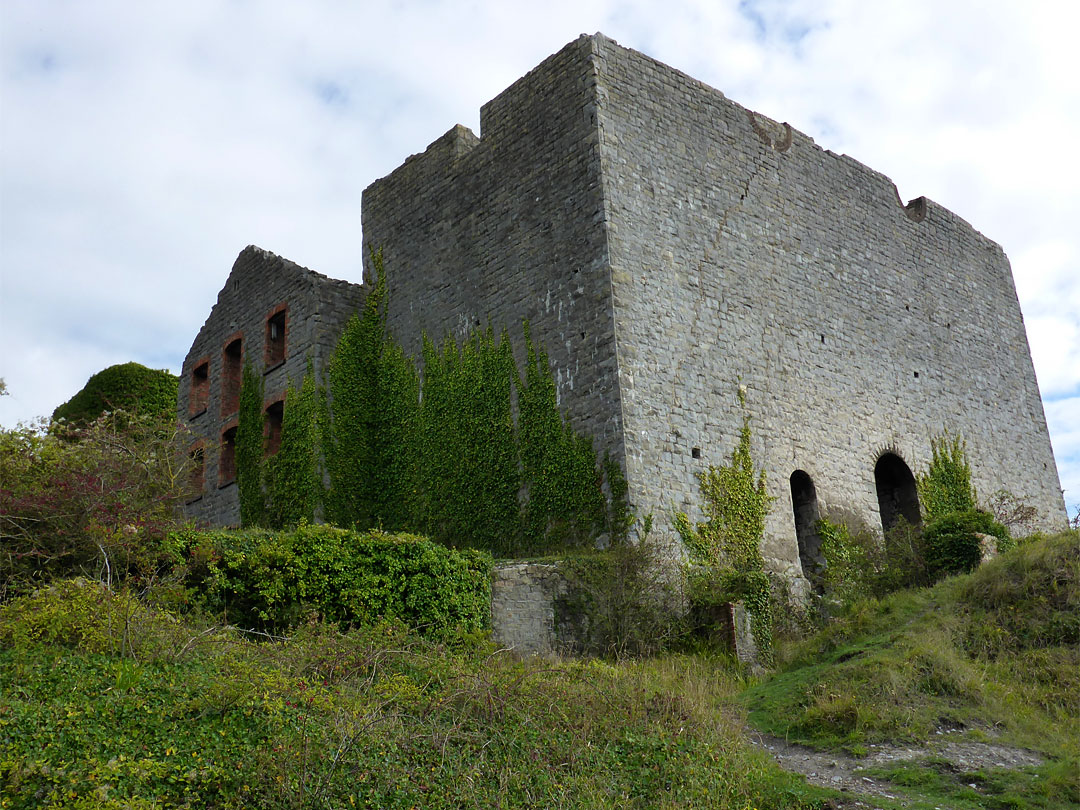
point(995, 654)
point(373, 718)
point(104, 703)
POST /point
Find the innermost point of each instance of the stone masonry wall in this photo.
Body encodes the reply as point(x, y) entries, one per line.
point(258, 285)
point(496, 229)
point(742, 253)
point(523, 607)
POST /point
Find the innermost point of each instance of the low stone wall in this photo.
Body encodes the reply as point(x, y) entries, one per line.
point(523, 598)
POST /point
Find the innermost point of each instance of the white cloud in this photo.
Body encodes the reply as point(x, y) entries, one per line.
point(146, 144)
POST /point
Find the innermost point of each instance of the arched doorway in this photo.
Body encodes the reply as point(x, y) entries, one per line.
point(804, 506)
point(896, 493)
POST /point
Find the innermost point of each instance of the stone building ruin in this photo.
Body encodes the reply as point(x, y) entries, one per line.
point(668, 247)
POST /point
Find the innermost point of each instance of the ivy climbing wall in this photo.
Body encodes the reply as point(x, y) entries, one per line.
point(670, 246)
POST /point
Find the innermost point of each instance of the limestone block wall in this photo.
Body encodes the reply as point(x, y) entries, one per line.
point(509, 226)
point(311, 308)
point(523, 598)
point(742, 253)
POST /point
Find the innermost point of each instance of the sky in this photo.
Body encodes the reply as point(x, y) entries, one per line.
point(144, 145)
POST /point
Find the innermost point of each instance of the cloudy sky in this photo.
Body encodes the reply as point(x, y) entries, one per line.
point(143, 145)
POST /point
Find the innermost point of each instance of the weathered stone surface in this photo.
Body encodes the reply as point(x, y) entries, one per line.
point(259, 286)
point(668, 247)
point(523, 607)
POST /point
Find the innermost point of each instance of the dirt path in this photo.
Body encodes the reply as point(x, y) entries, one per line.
point(846, 773)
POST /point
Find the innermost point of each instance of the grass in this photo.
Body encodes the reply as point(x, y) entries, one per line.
point(993, 656)
point(105, 703)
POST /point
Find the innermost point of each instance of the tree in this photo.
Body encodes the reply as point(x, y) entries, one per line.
point(96, 501)
point(128, 387)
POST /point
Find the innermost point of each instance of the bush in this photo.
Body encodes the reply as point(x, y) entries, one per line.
point(84, 615)
point(952, 545)
point(627, 597)
point(272, 580)
point(96, 501)
point(128, 387)
point(946, 485)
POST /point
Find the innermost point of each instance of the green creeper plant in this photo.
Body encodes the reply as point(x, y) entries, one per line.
point(371, 421)
point(249, 448)
point(469, 448)
point(566, 504)
point(293, 476)
point(725, 549)
point(946, 487)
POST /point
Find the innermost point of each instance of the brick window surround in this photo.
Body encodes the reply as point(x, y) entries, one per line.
point(199, 396)
point(232, 371)
point(227, 459)
point(197, 478)
point(274, 415)
point(277, 330)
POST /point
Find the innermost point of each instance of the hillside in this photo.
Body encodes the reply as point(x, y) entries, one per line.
point(108, 702)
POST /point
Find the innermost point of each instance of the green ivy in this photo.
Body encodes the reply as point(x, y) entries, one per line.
point(293, 476)
point(249, 448)
point(566, 504)
point(725, 549)
point(946, 485)
point(272, 580)
point(129, 387)
point(469, 447)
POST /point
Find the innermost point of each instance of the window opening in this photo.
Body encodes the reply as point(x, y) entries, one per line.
point(897, 496)
point(275, 413)
point(227, 463)
point(200, 388)
point(804, 507)
point(231, 373)
point(275, 338)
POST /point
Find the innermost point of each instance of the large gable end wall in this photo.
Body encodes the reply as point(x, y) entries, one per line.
point(510, 227)
point(744, 254)
point(310, 307)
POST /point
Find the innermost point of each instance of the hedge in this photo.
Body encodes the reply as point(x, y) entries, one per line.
point(272, 580)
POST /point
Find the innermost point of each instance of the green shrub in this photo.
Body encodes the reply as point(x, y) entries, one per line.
point(627, 598)
point(272, 580)
point(946, 485)
point(84, 615)
point(952, 546)
point(725, 550)
point(851, 560)
point(128, 387)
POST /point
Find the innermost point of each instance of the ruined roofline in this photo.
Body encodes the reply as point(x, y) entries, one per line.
point(448, 155)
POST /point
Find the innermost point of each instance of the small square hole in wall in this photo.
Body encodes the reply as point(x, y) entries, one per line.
point(696, 452)
point(916, 375)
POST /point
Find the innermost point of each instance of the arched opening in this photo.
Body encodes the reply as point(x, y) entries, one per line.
point(804, 507)
point(896, 493)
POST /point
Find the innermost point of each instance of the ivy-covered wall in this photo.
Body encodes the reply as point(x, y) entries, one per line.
point(470, 450)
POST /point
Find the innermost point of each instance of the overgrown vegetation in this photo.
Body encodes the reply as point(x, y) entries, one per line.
point(107, 703)
point(444, 457)
point(946, 487)
point(94, 501)
point(994, 656)
point(951, 540)
point(725, 550)
point(273, 580)
point(128, 387)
